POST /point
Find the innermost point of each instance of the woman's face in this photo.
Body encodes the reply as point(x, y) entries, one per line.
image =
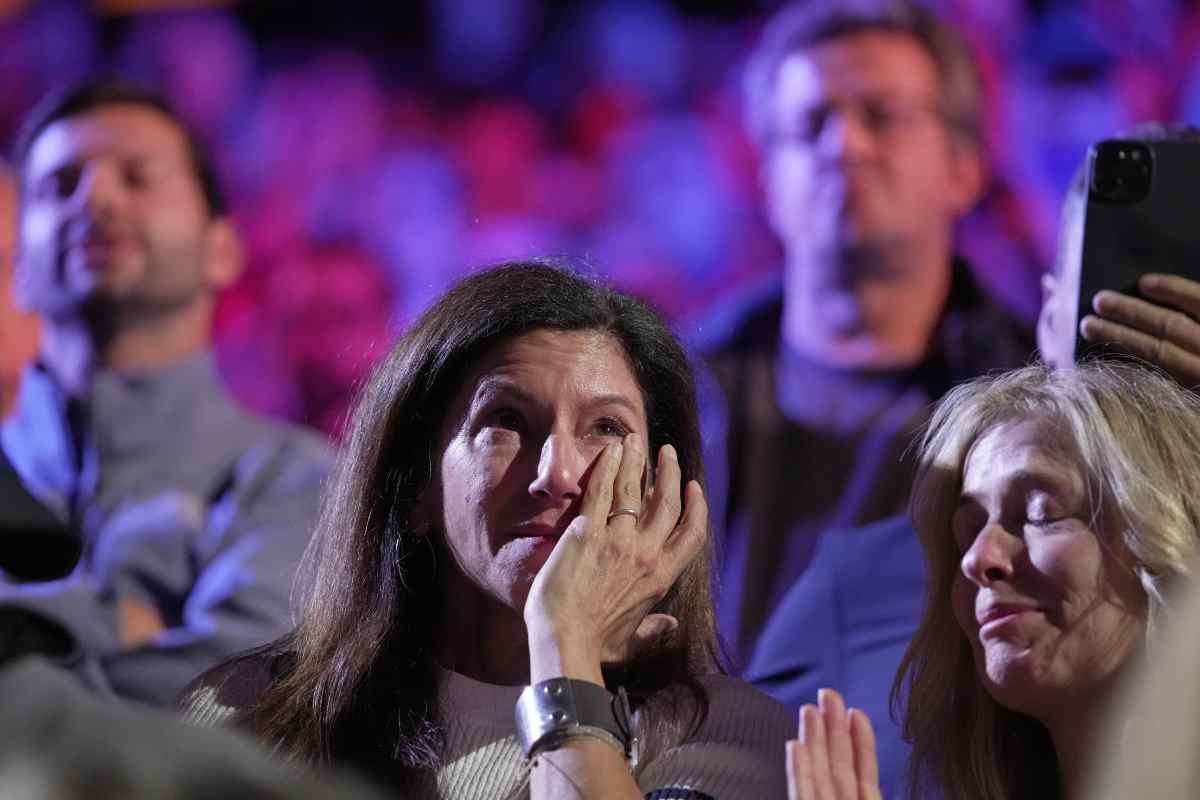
point(519, 440)
point(1051, 611)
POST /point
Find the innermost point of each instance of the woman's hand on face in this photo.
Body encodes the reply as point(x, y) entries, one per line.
point(834, 758)
point(589, 604)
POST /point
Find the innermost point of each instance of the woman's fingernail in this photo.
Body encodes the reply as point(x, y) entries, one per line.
point(632, 441)
point(668, 451)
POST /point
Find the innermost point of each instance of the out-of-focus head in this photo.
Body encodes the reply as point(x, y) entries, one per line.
point(18, 331)
point(869, 119)
point(1054, 507)
point(119, 206)
point(1058, 321)
point(523, 353)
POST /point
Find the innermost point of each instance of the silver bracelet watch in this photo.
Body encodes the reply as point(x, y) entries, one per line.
point(550, 712)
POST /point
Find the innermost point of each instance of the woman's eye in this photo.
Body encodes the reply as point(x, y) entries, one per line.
point(611, 427)
point(506, 418)
point(1043, 510)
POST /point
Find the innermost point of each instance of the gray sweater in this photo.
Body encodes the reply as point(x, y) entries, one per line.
point(185, 504)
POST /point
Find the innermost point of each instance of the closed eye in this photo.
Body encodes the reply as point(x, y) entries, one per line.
point(1046, 521)
point(1042, 510)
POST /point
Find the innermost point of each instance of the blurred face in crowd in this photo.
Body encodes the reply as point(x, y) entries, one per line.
point(860, 155)
point(521, 437)
point(18, 331)
point(113, 214)
point(1047, 600)
point(1058, 320)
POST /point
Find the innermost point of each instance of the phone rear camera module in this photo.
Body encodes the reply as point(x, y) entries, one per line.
point(1121, 171)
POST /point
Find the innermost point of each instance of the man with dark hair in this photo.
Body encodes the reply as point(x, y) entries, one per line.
point(868, 115)
point(116, 91)
point(192, 514)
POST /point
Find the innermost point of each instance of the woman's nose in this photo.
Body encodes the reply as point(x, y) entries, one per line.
point(560, 469)
point(990, 557)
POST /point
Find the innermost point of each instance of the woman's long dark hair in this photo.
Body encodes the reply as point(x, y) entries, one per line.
point(355, 680)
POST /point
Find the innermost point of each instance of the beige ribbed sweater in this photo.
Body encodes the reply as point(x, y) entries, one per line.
point(736, 754)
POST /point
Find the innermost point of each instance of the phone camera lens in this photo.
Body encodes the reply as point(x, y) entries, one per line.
point(1121, 171)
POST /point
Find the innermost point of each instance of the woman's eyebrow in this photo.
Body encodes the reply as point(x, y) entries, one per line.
point(1035, 477)
point(614, 399)
point(492, 386)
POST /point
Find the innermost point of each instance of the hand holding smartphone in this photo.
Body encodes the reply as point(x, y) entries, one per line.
point(1139, 263)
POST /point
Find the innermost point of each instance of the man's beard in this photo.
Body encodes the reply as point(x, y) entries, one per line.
point(115, 312)
point(854, 261)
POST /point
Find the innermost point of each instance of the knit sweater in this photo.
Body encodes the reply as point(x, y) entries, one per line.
point(736, 752)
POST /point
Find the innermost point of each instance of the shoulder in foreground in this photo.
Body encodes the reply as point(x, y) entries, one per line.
point(216, 696)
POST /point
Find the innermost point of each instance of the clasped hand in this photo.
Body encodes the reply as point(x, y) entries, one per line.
point(834, 758)
point(590, 604)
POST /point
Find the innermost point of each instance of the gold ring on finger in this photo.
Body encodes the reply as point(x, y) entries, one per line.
point(636, 513)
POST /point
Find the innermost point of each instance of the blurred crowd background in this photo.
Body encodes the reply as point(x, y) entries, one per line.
point(373, 155)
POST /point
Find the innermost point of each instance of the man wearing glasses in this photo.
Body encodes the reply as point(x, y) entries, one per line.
point(868, 116)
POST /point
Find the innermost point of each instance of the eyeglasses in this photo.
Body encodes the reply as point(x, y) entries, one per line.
point(882, 117)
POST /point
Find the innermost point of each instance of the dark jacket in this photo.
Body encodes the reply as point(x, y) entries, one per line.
point(784, 482)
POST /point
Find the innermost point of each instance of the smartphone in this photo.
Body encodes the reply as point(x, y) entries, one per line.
point(1142, 215)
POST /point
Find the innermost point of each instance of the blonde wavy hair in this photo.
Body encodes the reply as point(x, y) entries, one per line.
point(1137, 434)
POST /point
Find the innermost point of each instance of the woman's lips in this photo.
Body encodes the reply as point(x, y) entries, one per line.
point(994, 616)
point(536, 530)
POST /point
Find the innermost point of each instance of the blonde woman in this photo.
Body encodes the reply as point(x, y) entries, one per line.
point(1054, 507)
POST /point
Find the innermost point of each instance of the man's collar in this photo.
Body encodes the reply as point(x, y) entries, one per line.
point(122, 409)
